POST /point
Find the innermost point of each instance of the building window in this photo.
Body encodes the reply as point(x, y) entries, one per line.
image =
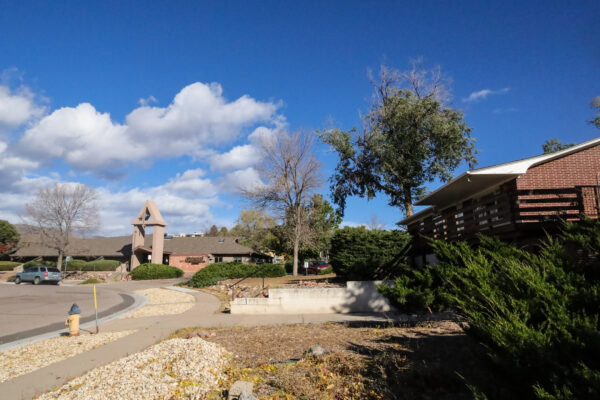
point(237, 259)
point(218, 259)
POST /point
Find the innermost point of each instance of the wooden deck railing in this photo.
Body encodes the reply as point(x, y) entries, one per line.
point(507, 209)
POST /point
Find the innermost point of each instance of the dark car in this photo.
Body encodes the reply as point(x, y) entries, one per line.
point(315, 267)
point(39, 274)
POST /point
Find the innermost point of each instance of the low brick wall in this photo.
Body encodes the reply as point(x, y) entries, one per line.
point(357, 297)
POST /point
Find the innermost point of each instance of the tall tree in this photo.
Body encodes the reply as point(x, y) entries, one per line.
point(213, 231)
point(61, 210)
point(290, 173)
point(324, 220)
point(595, 104)
point(223, 231)
point(410, 137)
point(254, 229)
point(554, 145)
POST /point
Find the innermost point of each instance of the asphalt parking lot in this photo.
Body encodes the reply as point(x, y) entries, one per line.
point(28, 310)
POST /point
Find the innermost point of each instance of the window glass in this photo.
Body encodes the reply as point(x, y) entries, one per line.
point(53, 270)
point(218, 259)
point(237, 259)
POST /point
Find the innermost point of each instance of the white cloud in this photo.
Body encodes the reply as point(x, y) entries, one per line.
point(148, 100)
point(198, 118)
point(482, 94)
point(235, 181)
point(237, 158)
point(18, 107)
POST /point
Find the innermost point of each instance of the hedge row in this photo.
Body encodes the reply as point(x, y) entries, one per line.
point(79, 265)
point(214, 273)
point(96, 265)
point(8, 265)
point(155, 271)
point(361, 254)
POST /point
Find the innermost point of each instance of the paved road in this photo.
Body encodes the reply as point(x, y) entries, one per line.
point(28, 310)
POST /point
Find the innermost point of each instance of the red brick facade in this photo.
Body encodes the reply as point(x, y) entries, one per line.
point(184, 262)
point(580, 169)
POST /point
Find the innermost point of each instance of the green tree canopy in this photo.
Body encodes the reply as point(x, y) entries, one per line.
point(554, 145)
point(254, 229)
point(410, 138)
point(8, 233)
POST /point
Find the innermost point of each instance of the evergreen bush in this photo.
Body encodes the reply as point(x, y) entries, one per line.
point(214, 273)
point(361, 254)
point(8, 265)
point(536, 314)
point(155, 271)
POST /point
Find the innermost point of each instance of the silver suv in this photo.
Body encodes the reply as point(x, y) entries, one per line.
point(38, 275)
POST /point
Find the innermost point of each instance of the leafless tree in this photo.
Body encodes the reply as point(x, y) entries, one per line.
point(290, 174)
point(375, 224)
point(61, 210)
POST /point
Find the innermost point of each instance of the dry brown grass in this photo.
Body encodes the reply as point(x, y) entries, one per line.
point(364, 361)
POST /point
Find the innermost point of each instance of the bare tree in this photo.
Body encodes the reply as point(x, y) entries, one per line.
point(61, 210)
point(375, 224)
point(290, 173)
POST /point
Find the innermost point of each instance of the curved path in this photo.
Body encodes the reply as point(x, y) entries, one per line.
point(150, 330)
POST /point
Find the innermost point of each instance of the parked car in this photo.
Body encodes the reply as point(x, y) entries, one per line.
point(39, 274)
point(315, 267)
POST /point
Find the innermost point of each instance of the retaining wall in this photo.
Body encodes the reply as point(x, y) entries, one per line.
point(356, 297)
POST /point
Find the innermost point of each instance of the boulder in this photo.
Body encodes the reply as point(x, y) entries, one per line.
point(241, 390)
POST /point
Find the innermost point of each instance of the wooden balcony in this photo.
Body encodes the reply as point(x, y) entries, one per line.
point(509, 210)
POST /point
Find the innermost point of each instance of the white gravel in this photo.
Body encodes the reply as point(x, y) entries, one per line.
point(30, 357)
point(175, 368)
point(162, 302)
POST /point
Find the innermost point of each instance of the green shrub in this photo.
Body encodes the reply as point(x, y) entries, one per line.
point(328, 270)
point(8, 265)
point(361, 254)
point(91, 281)
point(155, 271)
point(214, 273)
point(537, 315)
point(11, 278)
point(289, 266)
point(35, 263)
point(95, 265)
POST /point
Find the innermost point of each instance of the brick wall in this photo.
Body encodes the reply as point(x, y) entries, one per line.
point(579, 169)
point(179, 261)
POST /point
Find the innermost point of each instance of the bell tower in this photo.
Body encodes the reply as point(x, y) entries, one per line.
point(148, 216)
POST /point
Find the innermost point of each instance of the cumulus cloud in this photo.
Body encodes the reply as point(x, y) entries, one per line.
point(237, 158)
point(242, 179)
point(483, 94)
point(18, 107)
point(198, 118)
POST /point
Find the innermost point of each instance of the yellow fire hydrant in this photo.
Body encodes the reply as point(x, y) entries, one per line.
point(73, 320)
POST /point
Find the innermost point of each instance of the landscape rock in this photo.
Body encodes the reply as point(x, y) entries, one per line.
point(239, 389)
point(316, 351)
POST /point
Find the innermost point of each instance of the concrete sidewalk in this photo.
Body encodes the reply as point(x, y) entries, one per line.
point(150, 331)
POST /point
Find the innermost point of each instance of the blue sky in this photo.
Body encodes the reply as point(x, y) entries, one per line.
point(90, 91)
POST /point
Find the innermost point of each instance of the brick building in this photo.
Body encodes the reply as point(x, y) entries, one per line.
point(516, 201)
point(188, 253)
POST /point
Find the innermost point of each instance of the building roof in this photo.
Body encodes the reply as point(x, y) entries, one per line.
point(480, 180)
point(120, 246)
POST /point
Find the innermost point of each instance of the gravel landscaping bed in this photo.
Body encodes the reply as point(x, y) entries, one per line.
point(30, 357)
point(175, 368)
point(162, 302)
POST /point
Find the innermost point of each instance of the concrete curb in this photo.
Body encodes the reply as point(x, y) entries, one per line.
point(139, 301)
point(180, 289)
